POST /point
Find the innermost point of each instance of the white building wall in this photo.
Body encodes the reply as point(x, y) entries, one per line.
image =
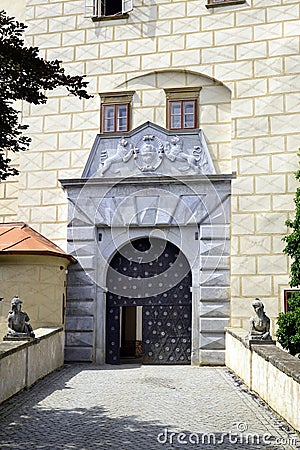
point(9, 190)
point(249, 115)
point(14, 9)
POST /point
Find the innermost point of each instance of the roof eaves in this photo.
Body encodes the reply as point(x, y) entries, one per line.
point(71, 258)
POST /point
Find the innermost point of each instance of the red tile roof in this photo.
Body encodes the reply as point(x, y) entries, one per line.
point(19, 238)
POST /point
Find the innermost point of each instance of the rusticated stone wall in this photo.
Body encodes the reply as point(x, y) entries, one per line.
point(245, 58)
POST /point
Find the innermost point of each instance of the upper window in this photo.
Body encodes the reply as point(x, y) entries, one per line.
point(115, 117)
point(107, 8)
point(182, 114)
point(116, 111)
point(215, 3)
point(182, 108)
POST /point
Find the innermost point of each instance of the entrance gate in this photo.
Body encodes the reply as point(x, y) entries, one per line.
point(155, 275)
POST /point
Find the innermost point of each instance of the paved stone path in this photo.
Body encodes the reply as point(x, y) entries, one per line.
point(128, 407)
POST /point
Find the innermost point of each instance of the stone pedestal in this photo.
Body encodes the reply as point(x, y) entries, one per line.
point(18, 337)
point(250, 342)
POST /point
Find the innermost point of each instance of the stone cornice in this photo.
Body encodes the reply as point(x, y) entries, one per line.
point(142, 180)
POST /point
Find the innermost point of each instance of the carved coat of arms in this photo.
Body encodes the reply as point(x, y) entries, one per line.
point(149, 151)
point(149, 156)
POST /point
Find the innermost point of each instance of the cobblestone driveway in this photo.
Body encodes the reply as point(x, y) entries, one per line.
point(129, 407)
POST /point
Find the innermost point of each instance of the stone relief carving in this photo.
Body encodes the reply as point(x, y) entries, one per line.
point(149, 152)
point(122, 153)
point(194, 160)
point(18, 321)
point(149, 156)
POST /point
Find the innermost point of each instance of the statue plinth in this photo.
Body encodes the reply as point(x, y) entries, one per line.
point(259, 333)
point(18, 337)
point(258, 341)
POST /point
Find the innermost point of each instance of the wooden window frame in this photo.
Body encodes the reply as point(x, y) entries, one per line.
point(115, 106)
point(286, 295)
point(182, 115)
point(116, 99)
point(217, 3)
point(184, 94)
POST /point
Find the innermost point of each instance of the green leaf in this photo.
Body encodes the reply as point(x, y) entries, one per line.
point(24, 75)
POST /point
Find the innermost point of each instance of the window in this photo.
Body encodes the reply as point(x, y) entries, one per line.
point(115, 111)
point(215, 3)
point(107, 8)
point(182, 114)
point(115, 117)
point(287, 296)
point(182, 108)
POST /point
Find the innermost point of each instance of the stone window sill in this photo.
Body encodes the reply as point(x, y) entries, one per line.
point(114, 17)
point(224, 3)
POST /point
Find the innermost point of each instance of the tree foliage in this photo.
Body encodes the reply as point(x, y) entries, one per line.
point(24, 75)
point(288, 332)
point(292, 240)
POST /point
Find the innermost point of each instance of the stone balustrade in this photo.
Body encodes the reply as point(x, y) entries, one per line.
point(22, 363)
point(268, 371)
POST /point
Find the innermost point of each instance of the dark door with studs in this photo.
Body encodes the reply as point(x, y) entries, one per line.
point(154, 274)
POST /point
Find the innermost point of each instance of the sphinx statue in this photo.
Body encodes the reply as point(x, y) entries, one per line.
point(18, 321)
point(259, 323)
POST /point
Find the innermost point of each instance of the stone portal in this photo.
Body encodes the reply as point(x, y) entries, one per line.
point(149, 185)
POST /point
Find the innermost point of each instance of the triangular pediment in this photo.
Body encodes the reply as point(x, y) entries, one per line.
point(149, 149)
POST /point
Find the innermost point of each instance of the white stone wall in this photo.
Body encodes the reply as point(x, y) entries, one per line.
point(9, 190)
point(40, 282)
point(23, 363)
point(268, 371)
point(245, 57)
point(14, 9)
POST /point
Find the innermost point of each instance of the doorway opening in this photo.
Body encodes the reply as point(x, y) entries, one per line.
point(131, 334)
point(149, 304)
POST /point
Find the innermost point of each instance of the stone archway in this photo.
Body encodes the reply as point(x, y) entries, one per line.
point(154, 275)
point(189, 205)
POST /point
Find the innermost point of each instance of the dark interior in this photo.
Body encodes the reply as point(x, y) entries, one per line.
point(113, 7)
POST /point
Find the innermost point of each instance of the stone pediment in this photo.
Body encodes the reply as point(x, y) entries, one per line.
point(149, 150)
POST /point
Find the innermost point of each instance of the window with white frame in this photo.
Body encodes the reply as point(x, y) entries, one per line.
point(105, 8)
point(116, 111)
point(115, 117)
point(182, 114)
point(182, 107)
